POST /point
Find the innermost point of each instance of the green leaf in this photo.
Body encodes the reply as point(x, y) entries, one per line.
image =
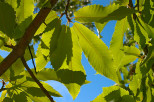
point(7, 19)
point(132, 50)
point(51, 16)
point(135, 83)
point(73, 80)
point(147, 13)
point(140, 35)
point(51, 34)
point(13, 3)
point(147, 28)
point(3, 94)
point(117, 39)
point(1, 41)
point(96, 51)
point(15, 69)
point(100, 27)
point(7, 99)
point(41, 60)
point(100, 14)
point(26, 88)
point(113, 93)
point(127, 98)
point(33, 89)
point(25, 10)
point(62, 50)
point(65, 58)
point(21, 28)
point(122, 2)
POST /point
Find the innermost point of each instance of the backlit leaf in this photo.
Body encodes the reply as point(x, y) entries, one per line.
point(25, 10)
point(96, 51)
point(100, 14)
point(7, 19)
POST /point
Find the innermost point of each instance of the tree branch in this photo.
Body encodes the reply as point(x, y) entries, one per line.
point(19, 49)
point(36, 80)
point(3, 84)
point(66, 11)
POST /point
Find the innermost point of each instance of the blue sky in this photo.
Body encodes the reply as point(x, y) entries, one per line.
point(89, 91)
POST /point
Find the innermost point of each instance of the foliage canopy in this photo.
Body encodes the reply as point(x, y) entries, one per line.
point(21, 27)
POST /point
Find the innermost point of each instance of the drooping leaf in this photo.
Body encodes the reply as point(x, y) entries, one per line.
point(73, 80)
point(7, 19)
point(66, 60)
point(51, 34)
point(96, 51)
point(100, 14)
point(25, 10)
point(62, 50)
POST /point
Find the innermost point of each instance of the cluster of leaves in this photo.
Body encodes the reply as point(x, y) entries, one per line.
point(63, 45)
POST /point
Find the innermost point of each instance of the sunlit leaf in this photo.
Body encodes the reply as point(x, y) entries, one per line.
point(96, 51)
point(25, 10)
point(135, 83)
point(73, 80)
point(100, 14)
point(113, 93)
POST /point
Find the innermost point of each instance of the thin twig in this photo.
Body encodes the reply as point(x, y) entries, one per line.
point(132, 7)
point(10, 46)
point(36, 80)
point(66, 11)
point(32, 59)
point(138, 5)
point(3, 85)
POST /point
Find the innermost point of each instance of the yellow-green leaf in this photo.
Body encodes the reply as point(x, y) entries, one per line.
point(96, 51)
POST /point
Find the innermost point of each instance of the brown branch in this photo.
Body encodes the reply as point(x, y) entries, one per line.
point(130, 4)
point(138, 5)
point(66, 11)
point(36, 80)
point(19, 49)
